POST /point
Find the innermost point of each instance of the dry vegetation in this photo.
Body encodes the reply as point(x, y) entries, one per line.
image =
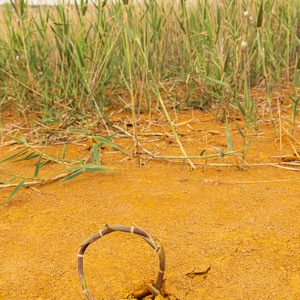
point(77, 66)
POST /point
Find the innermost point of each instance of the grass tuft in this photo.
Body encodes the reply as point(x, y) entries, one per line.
point(65, 58)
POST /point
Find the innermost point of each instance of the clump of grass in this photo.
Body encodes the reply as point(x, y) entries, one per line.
point(70, 169)
point(75, 61)
point(248, 111)
point(64, 57)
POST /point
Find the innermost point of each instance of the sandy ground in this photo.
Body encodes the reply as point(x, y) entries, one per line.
point(240, 227)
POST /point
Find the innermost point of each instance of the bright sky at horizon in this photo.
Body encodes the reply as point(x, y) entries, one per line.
point(51, 2)
point(35, 2)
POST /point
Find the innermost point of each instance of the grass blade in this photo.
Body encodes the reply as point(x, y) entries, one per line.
point(72, 175)
point(95, 153)
point(260, 15)
point(221, 152)
point(28, 157)
point(297, 74)
point(63, 155)
point(10, 179)
point(12, 157)
point(38, 166)
point(79, 131)
point(228, 137)
point(95, 169)
point(106, 141)
point(240, 131)
point(14, 192)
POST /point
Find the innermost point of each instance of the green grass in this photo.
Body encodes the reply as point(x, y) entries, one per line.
point(69, 168)
point(66, 63)
point(63, 59)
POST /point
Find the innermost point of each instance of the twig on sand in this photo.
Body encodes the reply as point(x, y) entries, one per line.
point(260, 181)
point(39, 181)
point(122, 130)
point(179, 159)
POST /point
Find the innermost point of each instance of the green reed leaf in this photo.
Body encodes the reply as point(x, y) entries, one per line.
point(14, 156)
point(72, 175)
point(260, 15)
point(228, 137)
point(14, 192)
point(95, 153)
point(38, 166)
point(63, 155)
point(221, 153)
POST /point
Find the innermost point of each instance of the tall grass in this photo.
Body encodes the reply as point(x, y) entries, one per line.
point(75, 61)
